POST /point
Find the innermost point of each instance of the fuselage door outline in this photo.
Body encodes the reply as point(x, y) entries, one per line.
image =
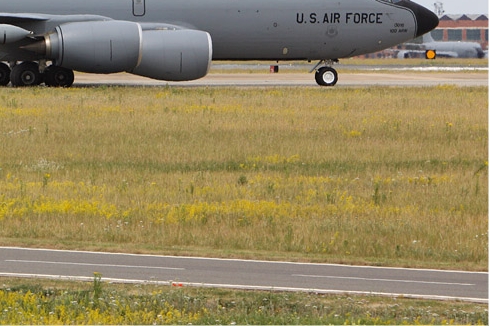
point(139, 7)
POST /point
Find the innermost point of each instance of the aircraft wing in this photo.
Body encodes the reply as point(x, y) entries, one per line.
point(6, 18)
point(405, 54)
point(42, 23)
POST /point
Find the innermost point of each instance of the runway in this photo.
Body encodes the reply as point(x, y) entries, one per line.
point(291, 79)
point(245, 274)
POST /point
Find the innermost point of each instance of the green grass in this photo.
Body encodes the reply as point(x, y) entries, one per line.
point(56, 302)
point(384, 176)
point(381, 176)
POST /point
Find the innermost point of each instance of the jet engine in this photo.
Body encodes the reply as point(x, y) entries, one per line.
point(117, 46)
point(12, 34)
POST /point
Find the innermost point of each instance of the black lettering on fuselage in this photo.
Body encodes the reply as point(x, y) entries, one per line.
point(363, 18)
point(312, 18)
point(332, 18)
point(300, 18)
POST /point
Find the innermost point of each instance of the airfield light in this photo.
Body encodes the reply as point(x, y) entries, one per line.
point(430, 54)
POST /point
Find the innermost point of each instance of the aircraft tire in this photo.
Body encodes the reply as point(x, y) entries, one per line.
point(4, 74)
point(26, 74)
point(326, 76)
point(55, 76)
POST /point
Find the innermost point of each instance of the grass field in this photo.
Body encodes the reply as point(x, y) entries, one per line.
point(382, 176)
point(385, 176)
point(57, 303)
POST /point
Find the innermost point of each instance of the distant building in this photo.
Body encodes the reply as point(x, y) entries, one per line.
point(468, 28)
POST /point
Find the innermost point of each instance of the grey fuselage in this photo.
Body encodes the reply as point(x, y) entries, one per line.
point(247, 29)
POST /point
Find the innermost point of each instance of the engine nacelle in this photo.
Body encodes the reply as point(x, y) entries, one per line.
point(11, 33)
point(175, 55)
point(117, 46)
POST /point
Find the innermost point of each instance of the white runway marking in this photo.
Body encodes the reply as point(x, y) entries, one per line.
point(381, 280)
point(89, 264)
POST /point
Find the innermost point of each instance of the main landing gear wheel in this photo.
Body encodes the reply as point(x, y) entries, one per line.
point(326, 76)
point(4, 74)
point(55, 76)
point(26, 74)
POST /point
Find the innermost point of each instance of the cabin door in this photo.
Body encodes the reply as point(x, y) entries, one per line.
point(139, 8)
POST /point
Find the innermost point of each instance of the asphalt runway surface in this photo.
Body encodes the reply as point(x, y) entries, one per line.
point(365, 78)
point(244, 274)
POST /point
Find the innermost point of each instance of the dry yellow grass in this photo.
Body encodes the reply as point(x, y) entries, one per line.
point(376, 175)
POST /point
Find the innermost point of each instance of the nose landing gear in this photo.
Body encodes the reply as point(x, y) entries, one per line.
point(325, 75)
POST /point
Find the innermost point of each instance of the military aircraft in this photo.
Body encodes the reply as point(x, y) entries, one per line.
point(44, 41)
point(448, 49)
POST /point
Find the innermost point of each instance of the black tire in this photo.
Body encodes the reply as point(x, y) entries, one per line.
point(4, 74)
point(55, 76)
point(26, 74)
point(326, 76)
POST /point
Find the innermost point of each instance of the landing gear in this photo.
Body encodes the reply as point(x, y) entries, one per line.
point(325, 75)
point(26, 74)
point(30, 73)
point(55, 76)
point(4, 74)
